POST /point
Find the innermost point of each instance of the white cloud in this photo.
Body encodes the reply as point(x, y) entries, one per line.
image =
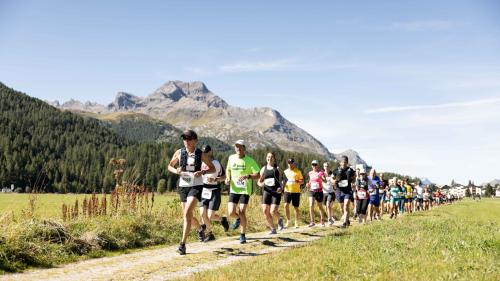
point(258, 65)
point(434, 106)
point(423, 25)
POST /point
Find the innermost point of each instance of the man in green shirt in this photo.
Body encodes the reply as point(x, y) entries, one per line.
point(241, 170)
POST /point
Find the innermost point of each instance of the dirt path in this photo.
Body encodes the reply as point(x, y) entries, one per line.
point(166, 264)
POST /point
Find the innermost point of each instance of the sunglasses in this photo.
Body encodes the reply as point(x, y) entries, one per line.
point(187, 138)
point(314, 164)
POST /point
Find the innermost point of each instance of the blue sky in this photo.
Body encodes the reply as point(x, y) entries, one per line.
point(414, 86)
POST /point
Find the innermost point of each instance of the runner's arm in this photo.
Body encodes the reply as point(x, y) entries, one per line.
point(173, 161)
point(208, 162)
point(260, 182)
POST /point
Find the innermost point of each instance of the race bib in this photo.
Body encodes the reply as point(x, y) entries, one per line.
point(186, 179)
point(361, 194)
point(270, 182)
point(314, 185)
point(206, 193)
point(290, 181)
point(343, 183)
point(240, 183)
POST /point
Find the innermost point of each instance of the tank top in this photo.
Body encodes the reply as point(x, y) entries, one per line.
point(271, 179)
point(328, 185)
point(219, 171)
point(190, 163)
point(316, 184)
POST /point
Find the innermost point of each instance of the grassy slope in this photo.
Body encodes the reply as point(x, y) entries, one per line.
point(459, 242)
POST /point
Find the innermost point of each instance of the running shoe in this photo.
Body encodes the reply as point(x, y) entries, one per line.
point(344, 225)
point(235, 224)
point(243, 239)
point(201, 234)
point(332, 220)
point(273, 231)
point(322, 223)
point(181, 249)
point(296, 225)
point(210, 237)
point(225, 224)
point(280, 223)
point(311, 224)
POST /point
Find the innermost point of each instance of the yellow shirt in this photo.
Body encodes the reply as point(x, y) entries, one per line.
point(292, 177)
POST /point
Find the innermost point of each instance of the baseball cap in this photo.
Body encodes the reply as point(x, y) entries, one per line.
point(206, 148)
point(314, 162)
point(189, 134)
point(290, 161)
point(240, 142)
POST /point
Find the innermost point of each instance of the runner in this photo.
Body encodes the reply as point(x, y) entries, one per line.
point(437, 197)
point(315, 185)
point(420, 197)
point(362, 196)
point(427, 198)
point(241, 169)
point(190, 160)
point(269, 179)
point(292, 180)
point(374, 184)
point(401, 196)
point(344, 177)
point(395, 197)
point(328, 193)
point(211, 195)
point(408, 195)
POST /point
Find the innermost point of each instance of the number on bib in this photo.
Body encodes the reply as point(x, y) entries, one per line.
point(270, 182)
point(206, 193)
point(314, 185)
point(240, 183)
point(186, 179)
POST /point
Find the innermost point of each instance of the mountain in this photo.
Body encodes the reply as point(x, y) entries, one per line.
point(352, 155)
point(492, 183)
point(193, 105)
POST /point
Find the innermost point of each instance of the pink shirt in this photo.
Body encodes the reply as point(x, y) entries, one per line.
point(315, 182)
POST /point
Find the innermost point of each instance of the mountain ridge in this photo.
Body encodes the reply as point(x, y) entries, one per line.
point(193, 105)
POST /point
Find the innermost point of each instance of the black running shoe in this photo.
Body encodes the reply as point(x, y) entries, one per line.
point(210, 237)
point(182, 249)
point(201, 234)
point(225, 224)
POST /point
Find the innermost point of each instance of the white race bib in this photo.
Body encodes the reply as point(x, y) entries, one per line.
point(314, 185)
point(186, 179)
point(361, 194)
point(240, 183)
point(206, 193)
point(270, 182)
point(343, 183)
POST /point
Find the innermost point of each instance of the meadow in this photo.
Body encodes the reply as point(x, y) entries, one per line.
point(453, 242)
point(36, 232)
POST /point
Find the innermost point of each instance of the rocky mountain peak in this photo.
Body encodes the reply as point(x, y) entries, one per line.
point(124, 101)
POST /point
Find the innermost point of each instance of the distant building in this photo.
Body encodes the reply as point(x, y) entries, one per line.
point(497, 192)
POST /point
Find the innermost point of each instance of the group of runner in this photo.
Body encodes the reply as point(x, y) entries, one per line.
point(201, 176)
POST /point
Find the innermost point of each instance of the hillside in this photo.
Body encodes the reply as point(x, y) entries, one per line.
point(56, 151)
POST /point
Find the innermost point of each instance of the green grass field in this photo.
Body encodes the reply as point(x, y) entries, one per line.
point(453, 242)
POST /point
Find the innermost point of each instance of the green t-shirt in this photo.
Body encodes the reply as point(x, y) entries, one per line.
point(237, 167)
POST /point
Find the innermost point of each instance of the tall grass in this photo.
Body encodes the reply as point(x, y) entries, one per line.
point(45, 233)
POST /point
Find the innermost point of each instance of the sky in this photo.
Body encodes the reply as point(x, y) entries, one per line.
point(413, 86)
